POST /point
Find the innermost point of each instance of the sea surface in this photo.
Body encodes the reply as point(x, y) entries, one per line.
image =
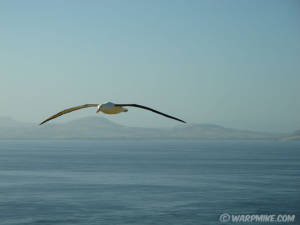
point(166, 182)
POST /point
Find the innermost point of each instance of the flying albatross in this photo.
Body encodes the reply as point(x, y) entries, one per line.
point(109, 108)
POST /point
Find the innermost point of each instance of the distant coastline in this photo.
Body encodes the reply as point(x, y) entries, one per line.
point(100, 128)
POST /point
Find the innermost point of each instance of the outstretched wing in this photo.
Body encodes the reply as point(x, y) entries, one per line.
point(68, 111)
point(152, 110)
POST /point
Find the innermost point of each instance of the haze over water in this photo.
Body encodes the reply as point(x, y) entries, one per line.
point(145, 182)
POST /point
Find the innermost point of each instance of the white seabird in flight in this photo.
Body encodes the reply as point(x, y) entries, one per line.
point(108, 108)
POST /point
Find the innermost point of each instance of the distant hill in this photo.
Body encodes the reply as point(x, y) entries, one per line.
point(297, 133)
point(6, 121)
point(101, 128)
point(294, 137)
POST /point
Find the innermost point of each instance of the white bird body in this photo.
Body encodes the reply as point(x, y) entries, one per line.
point(109, 108)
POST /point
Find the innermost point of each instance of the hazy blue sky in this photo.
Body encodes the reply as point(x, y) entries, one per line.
point(233, 63)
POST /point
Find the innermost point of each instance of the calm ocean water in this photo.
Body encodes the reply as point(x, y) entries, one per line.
point(146, 182)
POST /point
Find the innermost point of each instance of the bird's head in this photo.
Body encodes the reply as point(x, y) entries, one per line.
point(99, 107)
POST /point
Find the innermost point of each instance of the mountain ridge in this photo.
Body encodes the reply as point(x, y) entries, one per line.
point(94, 127)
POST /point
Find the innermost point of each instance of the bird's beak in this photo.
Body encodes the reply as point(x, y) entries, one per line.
point(98, 110)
